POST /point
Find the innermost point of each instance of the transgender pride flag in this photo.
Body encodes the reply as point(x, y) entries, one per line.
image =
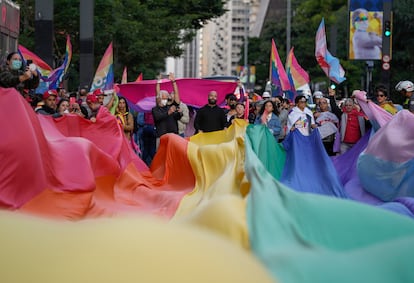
point(277, 72)
point(104, 76)
point(329, 64)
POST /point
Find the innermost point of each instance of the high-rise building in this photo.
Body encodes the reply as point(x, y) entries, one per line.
point(218, 47)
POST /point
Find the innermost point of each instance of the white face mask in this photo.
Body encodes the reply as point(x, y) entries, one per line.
point(66, 111)
point(164, 102)
point(363, 25)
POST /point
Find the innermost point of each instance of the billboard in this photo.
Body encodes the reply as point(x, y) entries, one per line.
point(365, 30)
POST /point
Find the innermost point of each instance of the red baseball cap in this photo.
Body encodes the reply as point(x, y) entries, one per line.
point(98, 92)
point(92, 97)
point(50, 92)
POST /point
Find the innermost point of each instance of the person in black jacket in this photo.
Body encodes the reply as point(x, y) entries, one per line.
point(166, 114)
point(210, 117)
point(16, 74)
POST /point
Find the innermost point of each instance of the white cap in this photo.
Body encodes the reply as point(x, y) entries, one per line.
point(318, 94)
point(266, 94)
point(406, 85)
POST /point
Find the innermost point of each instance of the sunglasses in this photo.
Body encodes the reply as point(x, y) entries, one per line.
point(380, 95)
point(363, 18)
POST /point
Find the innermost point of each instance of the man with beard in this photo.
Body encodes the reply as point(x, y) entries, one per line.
point(210, 117)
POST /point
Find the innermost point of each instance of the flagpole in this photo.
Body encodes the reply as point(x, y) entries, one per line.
point(288, 24)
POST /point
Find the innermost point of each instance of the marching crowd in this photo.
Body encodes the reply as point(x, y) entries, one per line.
point(340, 125)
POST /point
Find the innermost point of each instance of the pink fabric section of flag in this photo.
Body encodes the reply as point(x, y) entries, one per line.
point(278, 74)
point(193, 92)
point(299, 75)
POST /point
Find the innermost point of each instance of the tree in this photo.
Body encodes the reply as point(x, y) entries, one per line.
point(143, 32)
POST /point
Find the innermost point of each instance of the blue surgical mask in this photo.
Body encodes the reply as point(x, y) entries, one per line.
point(16, 64)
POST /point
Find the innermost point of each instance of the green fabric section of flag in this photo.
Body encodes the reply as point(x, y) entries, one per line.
point(303, 237)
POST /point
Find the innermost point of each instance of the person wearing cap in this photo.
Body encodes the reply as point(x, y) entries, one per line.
point(406, 88)
point(300, 117)
point(101, 97)
point(266, 95)
point(94, 105)
point(231, 111)
point(317, 95)
point(49, 103)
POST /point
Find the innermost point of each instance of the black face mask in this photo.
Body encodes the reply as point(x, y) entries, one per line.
point(232, 106)
point(212, 101)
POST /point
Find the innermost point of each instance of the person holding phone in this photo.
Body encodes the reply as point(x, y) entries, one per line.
point(18, 75)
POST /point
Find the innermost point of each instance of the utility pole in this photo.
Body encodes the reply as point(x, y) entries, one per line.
point(86, 58)
point(288, 25)
point(386, 43)
point(44, 30)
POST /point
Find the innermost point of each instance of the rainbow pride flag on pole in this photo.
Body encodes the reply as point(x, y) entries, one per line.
point(104, 76)
point(49, 78)
point(329, 64)
point(296, 74)
point(56, 76)
point(277, 72)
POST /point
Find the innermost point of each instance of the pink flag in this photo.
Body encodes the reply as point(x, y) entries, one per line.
point(193, 92)
point(139, 78)
point(124, 79)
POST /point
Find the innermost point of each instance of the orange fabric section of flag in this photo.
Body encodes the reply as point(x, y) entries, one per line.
point(71, 168)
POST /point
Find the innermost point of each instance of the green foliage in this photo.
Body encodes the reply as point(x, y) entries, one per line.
point(143, 32)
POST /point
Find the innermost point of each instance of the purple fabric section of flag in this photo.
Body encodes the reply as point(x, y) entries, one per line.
point(329, 64)
point(277, 72)
point(193, 92)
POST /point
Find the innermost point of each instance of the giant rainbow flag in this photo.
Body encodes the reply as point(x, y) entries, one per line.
point(228, 206)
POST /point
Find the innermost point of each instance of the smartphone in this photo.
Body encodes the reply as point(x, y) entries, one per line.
point(72, 100)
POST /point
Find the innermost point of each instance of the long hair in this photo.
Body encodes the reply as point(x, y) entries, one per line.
point(126, 103)
point(275, 110)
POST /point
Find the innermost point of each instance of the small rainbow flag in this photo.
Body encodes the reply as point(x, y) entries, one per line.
point(296, 74)
point(277, 72)
point(104, 76)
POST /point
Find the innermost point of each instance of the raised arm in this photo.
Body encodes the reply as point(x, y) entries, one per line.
point(175, 87)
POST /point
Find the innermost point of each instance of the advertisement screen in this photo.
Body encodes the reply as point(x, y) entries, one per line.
point(365, 30)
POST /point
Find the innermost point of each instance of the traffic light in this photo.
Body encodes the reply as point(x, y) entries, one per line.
point(387, 28)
